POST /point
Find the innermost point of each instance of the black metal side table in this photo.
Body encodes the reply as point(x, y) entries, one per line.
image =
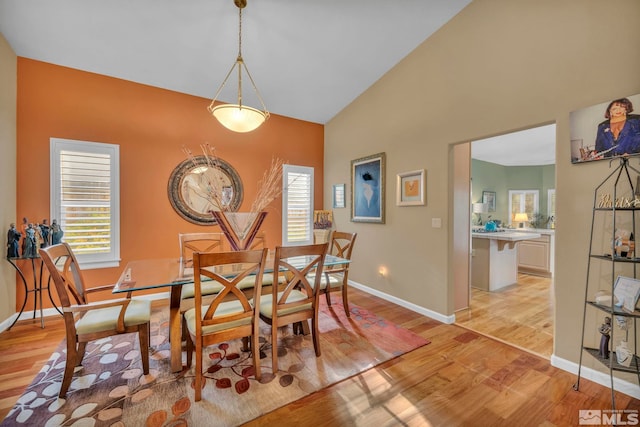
point(37, 267)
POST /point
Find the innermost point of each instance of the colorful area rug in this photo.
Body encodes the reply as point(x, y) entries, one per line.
point(110, 389)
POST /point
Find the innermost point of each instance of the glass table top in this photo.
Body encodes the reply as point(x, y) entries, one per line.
point(165, 272)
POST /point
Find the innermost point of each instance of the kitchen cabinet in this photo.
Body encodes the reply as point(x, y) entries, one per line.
point(535, 256)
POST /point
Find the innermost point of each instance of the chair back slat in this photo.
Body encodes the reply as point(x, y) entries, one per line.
point(231, 268)
point(65, 273)
point(294, 277)
point(199, 242)
point(342, 244)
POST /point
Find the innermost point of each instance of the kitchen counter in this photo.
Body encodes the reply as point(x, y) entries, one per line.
point(494, 263)
point(510, 236)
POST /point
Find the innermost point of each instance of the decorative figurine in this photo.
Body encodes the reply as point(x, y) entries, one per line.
point(13, 242)
point(30, 247)
point(45, 231)
point(56, 233)
point(25, 225)
point(605, 330)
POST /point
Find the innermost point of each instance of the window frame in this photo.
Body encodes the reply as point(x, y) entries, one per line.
point(286, 170)
point(536, 208)
point(57, 145)
point(551, 195)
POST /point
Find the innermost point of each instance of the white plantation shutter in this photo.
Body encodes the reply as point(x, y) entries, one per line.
point(297, 205)
point(85, 199)
point(523, 201)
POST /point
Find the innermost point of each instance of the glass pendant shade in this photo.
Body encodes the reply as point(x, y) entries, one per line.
point(238, 118)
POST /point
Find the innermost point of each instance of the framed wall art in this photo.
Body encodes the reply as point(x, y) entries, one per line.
point(368, 189)
point(338, 196)
point(605, 131)
point(188, 186)
point(410, 188)
point(489, 197)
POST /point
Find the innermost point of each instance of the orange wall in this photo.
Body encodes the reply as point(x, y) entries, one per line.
point(151, 125)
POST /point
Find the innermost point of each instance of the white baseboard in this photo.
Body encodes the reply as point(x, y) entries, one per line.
point(406, 304)
point(623, 386)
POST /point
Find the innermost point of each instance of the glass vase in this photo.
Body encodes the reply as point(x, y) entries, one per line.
point(240, 228)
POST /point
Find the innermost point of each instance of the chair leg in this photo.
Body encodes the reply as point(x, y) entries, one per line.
point(69, 367)
point(345, 299)
point(189, 350)
point(143, 336)
point(327, 294)
point(316, 335)
point(255, 351)
point(274, 347)
point(80, 354)
point(198, 373)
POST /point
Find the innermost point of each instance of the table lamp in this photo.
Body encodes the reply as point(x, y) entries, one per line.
point(521, 218)
point(480, 208)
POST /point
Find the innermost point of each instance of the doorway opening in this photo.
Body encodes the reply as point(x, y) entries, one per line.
point(513, 174)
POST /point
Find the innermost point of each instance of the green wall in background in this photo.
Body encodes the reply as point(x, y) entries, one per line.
point(488, 176)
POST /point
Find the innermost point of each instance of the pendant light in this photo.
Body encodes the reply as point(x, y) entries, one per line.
point(239, 117)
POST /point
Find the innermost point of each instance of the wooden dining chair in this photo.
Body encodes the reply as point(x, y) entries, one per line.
point(259, 242)
point(86, 322)
point(295, 299)
point(191, 243)
point(337, 278)
point(229, 315)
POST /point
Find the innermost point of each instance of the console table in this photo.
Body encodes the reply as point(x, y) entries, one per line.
point(36, 266)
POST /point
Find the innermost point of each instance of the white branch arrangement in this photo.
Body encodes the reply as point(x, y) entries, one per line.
point(269, 187)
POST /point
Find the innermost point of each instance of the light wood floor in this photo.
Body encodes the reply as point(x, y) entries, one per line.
point(461, 378)
point(521, 314)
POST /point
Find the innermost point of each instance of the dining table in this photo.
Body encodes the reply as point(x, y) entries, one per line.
point(172, 273)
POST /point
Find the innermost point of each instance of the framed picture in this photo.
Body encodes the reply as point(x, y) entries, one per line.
point(626, 291)
point(338, 196)
point(410, 188)
point(605, 131)
point(489, 197)
point(368, 189)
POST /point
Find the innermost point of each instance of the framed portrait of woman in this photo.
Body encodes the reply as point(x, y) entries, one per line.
point(607, 130)
point(368, 189)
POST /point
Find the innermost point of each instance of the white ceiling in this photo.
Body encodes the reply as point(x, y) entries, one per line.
point(309, 58)
point(531, 147)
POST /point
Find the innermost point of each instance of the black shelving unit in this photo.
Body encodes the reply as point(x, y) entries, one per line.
point(616, 204)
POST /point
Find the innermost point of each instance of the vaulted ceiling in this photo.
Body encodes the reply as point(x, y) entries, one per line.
point(308, 58)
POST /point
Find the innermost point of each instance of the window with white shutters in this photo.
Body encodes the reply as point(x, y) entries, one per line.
point(523, 201)
point(297, 205)
point(85, 199)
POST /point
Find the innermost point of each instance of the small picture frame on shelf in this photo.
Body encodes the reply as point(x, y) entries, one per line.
point(626, 291)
